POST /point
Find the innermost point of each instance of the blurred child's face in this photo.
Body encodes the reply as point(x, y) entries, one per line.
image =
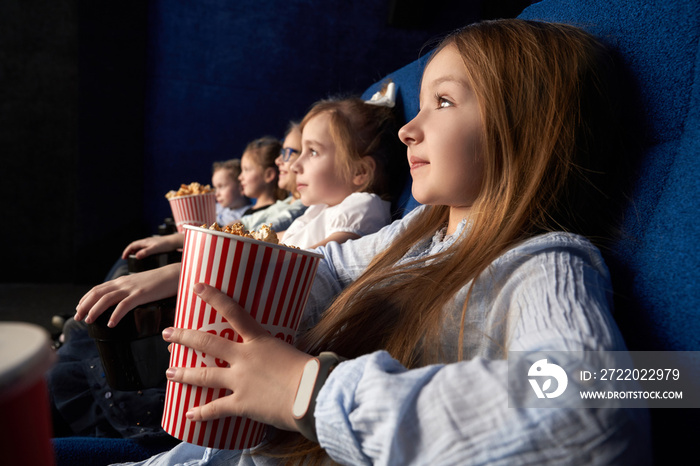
point(317, 179)
point(445, 139)
point(228, 189)
point(287, 178)
point(252, 177)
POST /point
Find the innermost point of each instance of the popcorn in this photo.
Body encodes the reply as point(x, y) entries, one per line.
point(265, 233)
point(189, 190)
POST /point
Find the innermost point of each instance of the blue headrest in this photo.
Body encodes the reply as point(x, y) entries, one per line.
point(408, 82)
point(658, 260)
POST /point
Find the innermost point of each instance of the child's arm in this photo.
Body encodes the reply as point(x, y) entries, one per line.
point(127, 292)
point(145, 247)
point(338, 237)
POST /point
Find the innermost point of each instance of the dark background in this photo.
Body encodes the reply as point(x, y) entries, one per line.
point(108, 105)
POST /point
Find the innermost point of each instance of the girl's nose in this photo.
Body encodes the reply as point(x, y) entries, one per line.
point(295, 167)
point(409, 133)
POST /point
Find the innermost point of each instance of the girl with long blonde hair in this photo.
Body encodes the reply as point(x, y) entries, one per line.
point(512, 155)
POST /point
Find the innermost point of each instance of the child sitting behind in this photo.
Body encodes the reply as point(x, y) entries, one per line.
point(259, 173)
point(341, 174)
point(231, 203)
point(282, 213)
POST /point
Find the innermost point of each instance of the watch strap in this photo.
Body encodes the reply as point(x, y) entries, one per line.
point(307, 422)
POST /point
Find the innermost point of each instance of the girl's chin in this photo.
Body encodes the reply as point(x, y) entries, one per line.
point(307, 201)
point(426, 200)
point(417, 195)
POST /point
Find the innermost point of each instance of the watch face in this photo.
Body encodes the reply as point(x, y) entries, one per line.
point(306, 388)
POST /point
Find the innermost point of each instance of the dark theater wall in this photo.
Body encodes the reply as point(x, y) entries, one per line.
point(223, 73)
point(38, 138)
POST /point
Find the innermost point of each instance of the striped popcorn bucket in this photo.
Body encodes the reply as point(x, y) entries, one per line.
point(271, 281)
point(197, 209)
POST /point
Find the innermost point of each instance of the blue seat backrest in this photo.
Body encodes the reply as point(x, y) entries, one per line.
point(656, 264)
point(408, 82)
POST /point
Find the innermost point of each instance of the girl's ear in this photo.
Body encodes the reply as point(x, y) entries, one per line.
point(364, 172)
point(269, 175)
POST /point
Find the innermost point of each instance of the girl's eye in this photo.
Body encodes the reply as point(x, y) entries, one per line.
point(313, 153)
point(442, 102)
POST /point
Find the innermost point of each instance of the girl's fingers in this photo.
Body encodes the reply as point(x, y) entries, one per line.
point(241, 321)
point(89, 298)
point(127, 251)
point(105, 302)
point(210, 377)
point(90, 309)
point(120, 311)
point(203, 342)
point(216, 409)
point(94, 298)
point(98, 299)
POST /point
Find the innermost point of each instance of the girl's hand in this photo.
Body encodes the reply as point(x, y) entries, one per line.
point(143, 248)
point(264, 371)
point(127, 292)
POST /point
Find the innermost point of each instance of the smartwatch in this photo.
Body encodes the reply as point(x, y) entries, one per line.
point(313, 377)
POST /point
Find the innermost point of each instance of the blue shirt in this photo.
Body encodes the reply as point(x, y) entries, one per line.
point(225, 215)
point(279, 215)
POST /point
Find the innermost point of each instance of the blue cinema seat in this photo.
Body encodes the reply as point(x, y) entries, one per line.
point(656, 263)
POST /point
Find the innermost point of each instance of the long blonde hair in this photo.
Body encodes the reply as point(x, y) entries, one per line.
point(546, 97)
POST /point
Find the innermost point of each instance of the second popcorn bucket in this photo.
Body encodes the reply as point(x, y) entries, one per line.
point(194, 209)
point(270, 281)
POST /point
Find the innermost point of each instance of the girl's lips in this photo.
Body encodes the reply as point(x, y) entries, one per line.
point(416, 162)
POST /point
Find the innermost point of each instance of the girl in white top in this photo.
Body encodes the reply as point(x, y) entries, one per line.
point(340, 174)
point(516, 140)
point(356, 215)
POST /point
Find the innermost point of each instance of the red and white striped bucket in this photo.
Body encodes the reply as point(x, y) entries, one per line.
point(271, 281)
point(196, 209)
